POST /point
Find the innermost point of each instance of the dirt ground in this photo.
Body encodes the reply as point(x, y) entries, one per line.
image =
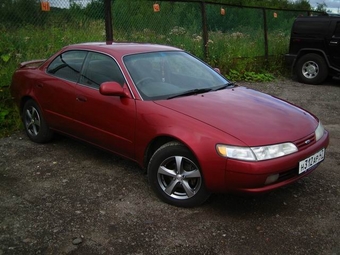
point(67, 197)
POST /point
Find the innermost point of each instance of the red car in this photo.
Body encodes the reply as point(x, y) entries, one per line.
point(191, 129)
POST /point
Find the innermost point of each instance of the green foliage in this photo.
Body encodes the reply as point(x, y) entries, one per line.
point(9, 116)
point(257, 69)
point(250, 76)
point(5, 57)
point(95, 10)
point(321, 7)
point(14, 13)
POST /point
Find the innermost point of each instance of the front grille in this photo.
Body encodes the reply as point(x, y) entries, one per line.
point(305, 142)
point(293, 173)
point(301, 145)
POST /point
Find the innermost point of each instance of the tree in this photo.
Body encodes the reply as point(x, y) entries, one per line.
point(321, 7)
point(21, 12)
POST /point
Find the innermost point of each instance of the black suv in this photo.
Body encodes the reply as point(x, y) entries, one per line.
point(314, 50)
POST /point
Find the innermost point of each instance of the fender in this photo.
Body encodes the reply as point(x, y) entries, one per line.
point(305, 51)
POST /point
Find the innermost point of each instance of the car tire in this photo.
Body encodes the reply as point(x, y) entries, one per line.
point(311, 69)
point(35, 125)
point(175, 176)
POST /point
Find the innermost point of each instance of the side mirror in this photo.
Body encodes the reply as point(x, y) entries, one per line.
point(112, 88)
point(217, 70)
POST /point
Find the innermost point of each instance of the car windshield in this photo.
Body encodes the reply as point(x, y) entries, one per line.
point(171, 74)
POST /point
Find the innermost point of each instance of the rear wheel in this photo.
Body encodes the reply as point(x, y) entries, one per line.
point(175, 176)
point(35, 126)
point(311, 69)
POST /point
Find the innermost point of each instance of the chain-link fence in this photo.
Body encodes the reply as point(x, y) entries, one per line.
point(219, 33)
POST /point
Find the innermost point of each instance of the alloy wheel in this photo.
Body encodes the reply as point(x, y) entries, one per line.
point(179, 177)
point(32, 121)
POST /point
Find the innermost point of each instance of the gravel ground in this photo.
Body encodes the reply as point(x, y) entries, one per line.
point(67, 197)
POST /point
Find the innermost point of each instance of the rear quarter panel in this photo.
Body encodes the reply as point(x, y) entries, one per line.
point(21, 85)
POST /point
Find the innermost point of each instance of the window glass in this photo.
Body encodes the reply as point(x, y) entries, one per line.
point(160, 75)
point(99, 68)
point(337, 30)
point(67, 65)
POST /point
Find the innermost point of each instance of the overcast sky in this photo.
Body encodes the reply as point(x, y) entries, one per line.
point(329, 3)
point(332, 5)
point(66, 3)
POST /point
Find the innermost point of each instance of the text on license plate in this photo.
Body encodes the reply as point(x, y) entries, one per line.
point(309, 162)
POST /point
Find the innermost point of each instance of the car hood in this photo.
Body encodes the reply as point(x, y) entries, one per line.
point(253, 117)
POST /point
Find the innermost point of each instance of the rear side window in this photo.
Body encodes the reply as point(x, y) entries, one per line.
point(67, 65)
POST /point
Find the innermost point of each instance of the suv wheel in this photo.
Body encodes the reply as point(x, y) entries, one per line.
point(311, 69)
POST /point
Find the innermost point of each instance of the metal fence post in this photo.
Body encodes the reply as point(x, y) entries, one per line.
point(265, 28)
point(108, 22)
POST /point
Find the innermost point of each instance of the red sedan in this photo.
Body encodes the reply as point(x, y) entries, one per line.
point(191, 129)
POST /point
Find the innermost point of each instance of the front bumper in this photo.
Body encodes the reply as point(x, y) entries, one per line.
point(290, 61)
point(250, 177)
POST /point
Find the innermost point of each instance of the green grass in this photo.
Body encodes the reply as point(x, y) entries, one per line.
point(234, 53)
point(9, 115)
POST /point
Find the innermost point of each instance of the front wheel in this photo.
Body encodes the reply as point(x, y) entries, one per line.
point(175, 176)
point(35, 126)
point(311, 69)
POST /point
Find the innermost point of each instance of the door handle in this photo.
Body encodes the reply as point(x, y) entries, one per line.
point(81, 99)
point(333, 42)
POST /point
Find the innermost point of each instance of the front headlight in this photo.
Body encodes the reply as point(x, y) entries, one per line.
point(256, 153)
point(319, 131)
point(241, 153)
point(274, 151)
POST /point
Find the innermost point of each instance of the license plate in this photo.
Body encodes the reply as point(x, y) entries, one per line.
point(311, 161)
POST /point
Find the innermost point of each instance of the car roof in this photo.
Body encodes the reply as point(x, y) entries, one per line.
point(320, 17)
point(121, 48)
point(312, 25)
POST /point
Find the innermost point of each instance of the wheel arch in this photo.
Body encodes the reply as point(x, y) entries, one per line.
point(23, 102)
point(156, 143)
point(306, 51)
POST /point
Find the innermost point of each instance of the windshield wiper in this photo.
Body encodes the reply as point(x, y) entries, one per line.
point(191, 92)
point(224, 86)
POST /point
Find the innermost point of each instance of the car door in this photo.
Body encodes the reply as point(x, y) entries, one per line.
point(106, 121)
point(57, 90)
point(334, 45)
